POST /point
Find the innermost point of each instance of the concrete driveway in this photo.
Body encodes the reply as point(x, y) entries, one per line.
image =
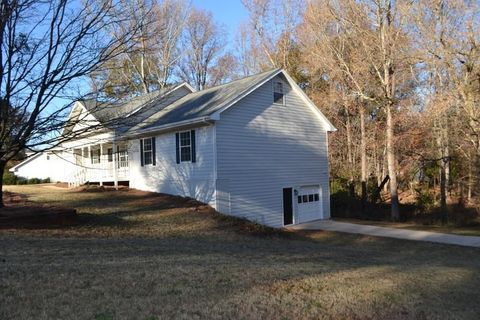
point(330, 225)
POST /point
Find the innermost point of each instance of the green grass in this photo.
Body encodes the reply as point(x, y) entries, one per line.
point(135, 255)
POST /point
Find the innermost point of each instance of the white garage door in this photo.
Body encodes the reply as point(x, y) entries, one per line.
point(309, 204)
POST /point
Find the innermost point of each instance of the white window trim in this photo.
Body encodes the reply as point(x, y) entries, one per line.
point(95, 156)
point(145, 152)
point(185, 146)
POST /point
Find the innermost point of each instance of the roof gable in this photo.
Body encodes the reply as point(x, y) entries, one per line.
point(210, 103)
point(167, 109)
point(203, 103)
point(121, 116)
point(328, 125)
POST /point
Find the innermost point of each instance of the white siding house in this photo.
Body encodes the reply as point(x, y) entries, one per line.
point(255, 148)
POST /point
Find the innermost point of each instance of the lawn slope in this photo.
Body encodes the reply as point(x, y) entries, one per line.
point(138, 255)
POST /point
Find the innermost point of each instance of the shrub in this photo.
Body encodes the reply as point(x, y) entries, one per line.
point(11, 179)
point(34, 181)
point(21, 181)
point(425, 201)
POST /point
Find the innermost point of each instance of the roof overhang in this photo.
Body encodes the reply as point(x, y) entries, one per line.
point(205, 121)
point(24, 162)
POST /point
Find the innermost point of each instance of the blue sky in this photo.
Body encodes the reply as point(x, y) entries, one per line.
point(227, 12)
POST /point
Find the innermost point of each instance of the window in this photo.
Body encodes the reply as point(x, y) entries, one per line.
point(110, 154)
point(278, 93)
point(185, 146)
point(147, 151)
point(48, 156)
point(308, 198)
point(95, 156)
point(122, 155)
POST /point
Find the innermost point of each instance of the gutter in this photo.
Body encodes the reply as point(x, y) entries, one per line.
point(169, 127)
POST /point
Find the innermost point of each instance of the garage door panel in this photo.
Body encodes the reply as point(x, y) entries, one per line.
point(308, 204)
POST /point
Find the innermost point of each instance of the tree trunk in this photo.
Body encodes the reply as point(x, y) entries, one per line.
point(443, 191)
point(2, 169)
point(470, 183)
point(363, 151)
point(143, 75)
point(351, 183)
point(395, 210)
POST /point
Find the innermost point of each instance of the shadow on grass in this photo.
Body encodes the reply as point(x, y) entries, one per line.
point(230, 256)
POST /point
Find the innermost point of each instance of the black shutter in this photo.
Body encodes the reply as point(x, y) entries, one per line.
point(287, 206)
point(177, 148)
point(91, 156)
point(141, 152)
point(194, 152)
point(154, 153)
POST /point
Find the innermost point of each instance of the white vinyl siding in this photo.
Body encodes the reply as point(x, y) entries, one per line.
point(188, 179)
point(263, 147)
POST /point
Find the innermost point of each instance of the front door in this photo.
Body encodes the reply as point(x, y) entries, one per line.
point(287, 206)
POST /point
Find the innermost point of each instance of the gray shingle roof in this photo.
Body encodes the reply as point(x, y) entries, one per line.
point(161, 107)
point(202, 103)
point(106, 111)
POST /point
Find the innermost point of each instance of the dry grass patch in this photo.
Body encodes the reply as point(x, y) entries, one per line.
point(137, 255)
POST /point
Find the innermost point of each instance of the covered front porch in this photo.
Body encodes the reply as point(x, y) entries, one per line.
point(100, 163)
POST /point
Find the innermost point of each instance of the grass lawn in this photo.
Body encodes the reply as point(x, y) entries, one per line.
point(138, 255)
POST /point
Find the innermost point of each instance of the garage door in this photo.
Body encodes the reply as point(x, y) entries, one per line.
point(309, 205)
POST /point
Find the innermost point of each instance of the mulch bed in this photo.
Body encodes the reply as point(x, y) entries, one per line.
point(20, 212)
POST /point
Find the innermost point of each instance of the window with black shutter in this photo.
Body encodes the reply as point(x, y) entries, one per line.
point(185, 146)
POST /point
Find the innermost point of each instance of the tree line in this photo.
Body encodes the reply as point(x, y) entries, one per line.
point(399, 79)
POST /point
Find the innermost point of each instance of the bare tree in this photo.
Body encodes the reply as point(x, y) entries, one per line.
point(224, 70)
point(47, 50)
point(377, 31)
point(448, 34)
point(273, 24)
point(155, 50)
point(203, 43)
point(331, 50)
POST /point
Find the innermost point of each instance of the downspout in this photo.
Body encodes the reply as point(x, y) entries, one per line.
point(214, 150)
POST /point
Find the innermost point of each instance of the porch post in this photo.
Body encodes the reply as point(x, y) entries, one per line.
point(115, 155)
point(101, 164)
point(89, 167)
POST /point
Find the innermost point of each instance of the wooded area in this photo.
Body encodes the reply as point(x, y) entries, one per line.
point(399, 79)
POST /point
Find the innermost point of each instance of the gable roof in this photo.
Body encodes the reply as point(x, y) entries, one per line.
point(24, 162)
point(208, 104)
point(202, 103)
point(161, 109)
point(105, 112)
